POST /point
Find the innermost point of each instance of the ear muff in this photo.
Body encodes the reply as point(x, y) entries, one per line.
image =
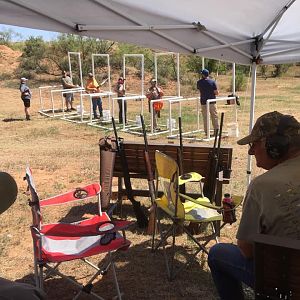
point(277, 145)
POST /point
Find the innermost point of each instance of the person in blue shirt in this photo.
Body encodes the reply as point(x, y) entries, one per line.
point(208, 90)
point(25, 96)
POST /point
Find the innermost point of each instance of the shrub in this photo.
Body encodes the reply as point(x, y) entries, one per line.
point(240, 81)
point(5, 76)
point(280, 69)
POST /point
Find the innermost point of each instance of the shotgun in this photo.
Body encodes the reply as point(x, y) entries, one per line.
point(151, 224)
point(209, 188)
point(140, 216)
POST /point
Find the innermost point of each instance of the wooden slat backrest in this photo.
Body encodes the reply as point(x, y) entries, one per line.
point(277, 267)
point(195, 157)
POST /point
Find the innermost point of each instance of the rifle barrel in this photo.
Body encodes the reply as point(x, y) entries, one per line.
point(140, 216)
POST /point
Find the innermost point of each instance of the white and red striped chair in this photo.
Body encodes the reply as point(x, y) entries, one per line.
point(56, 243)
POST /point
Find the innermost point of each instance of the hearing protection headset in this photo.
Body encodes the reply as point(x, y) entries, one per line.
point(277, 145)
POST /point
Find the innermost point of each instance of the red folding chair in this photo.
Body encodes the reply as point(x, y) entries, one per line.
point(56, 243)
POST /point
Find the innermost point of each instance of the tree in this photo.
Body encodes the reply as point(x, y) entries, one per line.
point(59, 49)
point(7, 35)
point(51, 57)
point(32, 59)
point(280, 69)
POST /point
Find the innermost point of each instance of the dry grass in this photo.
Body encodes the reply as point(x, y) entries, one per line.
point(63, 155)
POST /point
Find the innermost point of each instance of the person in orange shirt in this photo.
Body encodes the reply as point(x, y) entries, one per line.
point(91, 87)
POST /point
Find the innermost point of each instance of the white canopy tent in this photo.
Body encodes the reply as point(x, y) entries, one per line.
point(245, 32)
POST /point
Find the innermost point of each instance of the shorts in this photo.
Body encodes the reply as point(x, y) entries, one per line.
point(69, 97)
point(26, 102)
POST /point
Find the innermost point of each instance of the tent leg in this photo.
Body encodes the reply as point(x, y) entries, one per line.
point(251, 122)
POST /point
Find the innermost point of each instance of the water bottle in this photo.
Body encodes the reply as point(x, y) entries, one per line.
point(228, 209)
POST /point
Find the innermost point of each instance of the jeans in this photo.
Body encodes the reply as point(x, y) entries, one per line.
point(97, 102)
point(121, 111)
point(229, 268)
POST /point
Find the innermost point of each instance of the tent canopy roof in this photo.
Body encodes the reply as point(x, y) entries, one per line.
point(235, 30)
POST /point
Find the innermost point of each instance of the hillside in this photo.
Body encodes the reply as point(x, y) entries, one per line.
point(9, 59)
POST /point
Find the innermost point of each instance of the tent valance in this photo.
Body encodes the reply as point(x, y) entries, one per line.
point(235, 30)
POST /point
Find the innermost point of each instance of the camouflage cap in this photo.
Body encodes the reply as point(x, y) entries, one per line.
point(267, 125)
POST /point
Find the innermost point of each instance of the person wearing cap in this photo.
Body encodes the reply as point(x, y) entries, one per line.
point(92, 87)
point(67, 83)
point(154, 93)
point(25, 96)
point(120, 90)
point(208, 90)
point(271, 205)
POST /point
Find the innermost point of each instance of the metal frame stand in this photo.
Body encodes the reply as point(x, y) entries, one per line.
point(105, 121)
point(156, 55)
point(208, 138)
point(54, 112)
point(78, 54)
point(42, 90)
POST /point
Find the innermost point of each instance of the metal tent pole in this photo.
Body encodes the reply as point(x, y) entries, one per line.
point(251, 120)
point(233, 78)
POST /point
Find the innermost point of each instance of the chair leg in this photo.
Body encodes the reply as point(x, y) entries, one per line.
point(40, 277)
point(171, 272)
point(90, 264)
point(51, 270)
point(36, 273)
point(115, 278)
point(201, 246)
point(155, 226)
point(214, 232)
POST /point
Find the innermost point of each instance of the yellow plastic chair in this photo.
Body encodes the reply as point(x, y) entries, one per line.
point(199, 211)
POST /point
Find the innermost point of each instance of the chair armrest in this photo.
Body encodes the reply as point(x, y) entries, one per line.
point(189, 177)
point(74, 195)
point(201, 201)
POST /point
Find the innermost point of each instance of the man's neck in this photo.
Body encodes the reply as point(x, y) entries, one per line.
point(293, 153)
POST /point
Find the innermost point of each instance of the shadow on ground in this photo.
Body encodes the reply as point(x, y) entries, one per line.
point(13, 119)
point(141, 273)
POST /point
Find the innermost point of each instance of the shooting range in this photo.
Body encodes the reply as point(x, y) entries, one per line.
point(144, 179)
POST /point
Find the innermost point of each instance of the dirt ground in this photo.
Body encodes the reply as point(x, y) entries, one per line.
point(65, 155)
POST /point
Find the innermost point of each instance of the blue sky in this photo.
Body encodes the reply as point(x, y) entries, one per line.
point(27, 32)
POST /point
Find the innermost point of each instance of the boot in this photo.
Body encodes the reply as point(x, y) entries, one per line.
point(27, 117)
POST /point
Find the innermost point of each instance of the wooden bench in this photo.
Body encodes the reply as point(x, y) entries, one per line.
point(195, 158)
point(277, 267)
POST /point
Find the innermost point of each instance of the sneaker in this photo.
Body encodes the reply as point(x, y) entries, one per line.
point(96, 117)
point(68, 110)
point(72, 108)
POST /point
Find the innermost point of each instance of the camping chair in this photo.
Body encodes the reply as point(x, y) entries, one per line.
point(197, 211)
point(56, 243)
point(277, 267)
